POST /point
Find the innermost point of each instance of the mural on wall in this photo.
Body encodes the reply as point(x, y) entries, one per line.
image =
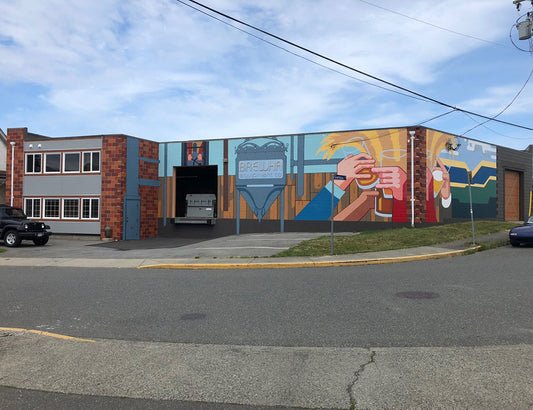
point(376, 162)
point(480, 159)
point(260, 173)
point(438, 180)
point(194, 153)
point(289, 177)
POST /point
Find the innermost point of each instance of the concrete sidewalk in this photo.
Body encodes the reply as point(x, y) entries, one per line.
point(485, 377)
point(244, 251)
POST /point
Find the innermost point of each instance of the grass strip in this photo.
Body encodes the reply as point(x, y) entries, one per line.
point(398, 238)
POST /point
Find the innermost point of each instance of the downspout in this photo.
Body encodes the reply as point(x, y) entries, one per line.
point(412, 133)
point(12, 169)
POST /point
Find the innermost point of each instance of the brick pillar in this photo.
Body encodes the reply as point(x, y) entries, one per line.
point(419, 175)
point(16, 135)
point(113, 184)
point(149, 194)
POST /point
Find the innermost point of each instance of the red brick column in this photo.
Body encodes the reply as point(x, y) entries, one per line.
point(149, 194)
point(16, 135)
point(419, 175)
point(114, 153)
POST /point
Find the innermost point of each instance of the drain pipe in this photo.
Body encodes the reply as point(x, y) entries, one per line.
point(12, 168)
point(412, 133)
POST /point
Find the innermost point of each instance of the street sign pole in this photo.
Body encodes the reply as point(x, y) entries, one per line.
point(333, 178)
point(332, 202)
point(471, 207)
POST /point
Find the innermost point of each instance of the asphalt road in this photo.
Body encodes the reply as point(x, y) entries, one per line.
point(447, 333)
point(482, 299)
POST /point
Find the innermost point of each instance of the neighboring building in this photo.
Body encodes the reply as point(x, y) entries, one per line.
point(285, 182)
point(102, 185)
point(3, 151)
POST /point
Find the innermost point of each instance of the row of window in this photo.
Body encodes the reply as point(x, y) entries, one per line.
point(73, 162)
point(62, 208)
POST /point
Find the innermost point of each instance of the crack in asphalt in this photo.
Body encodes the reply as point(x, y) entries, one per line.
point(357, 374)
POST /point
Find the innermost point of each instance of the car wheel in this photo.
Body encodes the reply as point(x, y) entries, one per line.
point(515, 243)
point(41, 241)
point(12, 239)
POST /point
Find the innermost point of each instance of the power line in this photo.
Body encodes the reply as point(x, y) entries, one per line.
point(434, 25)
point(506, 107)
point(438, 116)
point(429, 99)
point(299, 55)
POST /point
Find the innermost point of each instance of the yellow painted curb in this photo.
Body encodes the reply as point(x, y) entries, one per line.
point(40, 332)
point(309, 264)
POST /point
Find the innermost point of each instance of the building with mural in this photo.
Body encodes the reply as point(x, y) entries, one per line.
point(366, 179)
point(124, 187)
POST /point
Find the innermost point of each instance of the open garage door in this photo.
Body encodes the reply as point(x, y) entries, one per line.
point(512, 196)
point(193, 180)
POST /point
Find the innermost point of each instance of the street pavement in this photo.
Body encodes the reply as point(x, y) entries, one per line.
point(473, 377)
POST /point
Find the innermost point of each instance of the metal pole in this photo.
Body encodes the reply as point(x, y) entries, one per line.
point(471, 208)
point(412, 133)
point(332, 202)
point(12, 169)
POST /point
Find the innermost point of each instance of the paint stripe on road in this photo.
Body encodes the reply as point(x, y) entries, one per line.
point(40, 332)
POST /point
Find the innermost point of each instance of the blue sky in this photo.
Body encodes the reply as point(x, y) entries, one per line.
point(162, 71)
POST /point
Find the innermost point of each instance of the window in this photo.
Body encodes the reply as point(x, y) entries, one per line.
point(33, 163)
point(90, 208)
point(32, 207)
point(52, 163)
point(91, 161)
point(71, 162)
point(71, 208)
point(51, 208)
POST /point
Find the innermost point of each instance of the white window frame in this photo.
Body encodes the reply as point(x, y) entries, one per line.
point(63, 208)
point(65, 162)
point(46, 154)
point(91, 153)
point(33, 200)
point(33, 155)
point(43, 211)
point(90, 209)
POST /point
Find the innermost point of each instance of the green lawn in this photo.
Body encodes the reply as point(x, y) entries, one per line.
point(400, 238)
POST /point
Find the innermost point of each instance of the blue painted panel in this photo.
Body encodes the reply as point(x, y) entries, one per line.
point(132, 168)
point(132, 200)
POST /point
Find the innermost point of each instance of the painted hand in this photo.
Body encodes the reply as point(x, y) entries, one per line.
point(356, 167)
point(393, 178)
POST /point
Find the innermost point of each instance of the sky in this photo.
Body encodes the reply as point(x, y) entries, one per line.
point(160, 70)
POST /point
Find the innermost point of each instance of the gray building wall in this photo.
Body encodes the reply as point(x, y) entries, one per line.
point(519, 161)
point(64, 185)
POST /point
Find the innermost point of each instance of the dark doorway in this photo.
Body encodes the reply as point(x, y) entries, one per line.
point(194, 180)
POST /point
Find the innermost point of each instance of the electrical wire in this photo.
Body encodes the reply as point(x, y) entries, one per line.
point(434, 25)
point(301, 56)
point(506, 107)
point(429, 99)
point(438, 116)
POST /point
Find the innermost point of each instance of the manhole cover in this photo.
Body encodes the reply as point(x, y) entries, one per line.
point(418, 295)
point(193, 316)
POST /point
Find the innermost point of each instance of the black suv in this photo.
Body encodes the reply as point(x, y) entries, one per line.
point(15, 226)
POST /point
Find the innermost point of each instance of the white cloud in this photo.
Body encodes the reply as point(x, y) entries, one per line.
point(158, 69)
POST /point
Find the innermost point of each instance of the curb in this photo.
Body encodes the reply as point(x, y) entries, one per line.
point(311, 264)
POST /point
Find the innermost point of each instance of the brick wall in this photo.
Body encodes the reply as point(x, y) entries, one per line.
point(149, 194)
point(420, 183)
point(17, 135)
point(114, 154)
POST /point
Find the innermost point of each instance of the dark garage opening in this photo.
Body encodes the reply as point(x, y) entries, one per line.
point(194, 180)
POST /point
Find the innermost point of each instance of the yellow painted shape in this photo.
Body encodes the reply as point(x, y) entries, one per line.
point(41, 333)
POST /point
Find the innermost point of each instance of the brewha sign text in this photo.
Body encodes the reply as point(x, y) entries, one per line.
point(261, 169)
